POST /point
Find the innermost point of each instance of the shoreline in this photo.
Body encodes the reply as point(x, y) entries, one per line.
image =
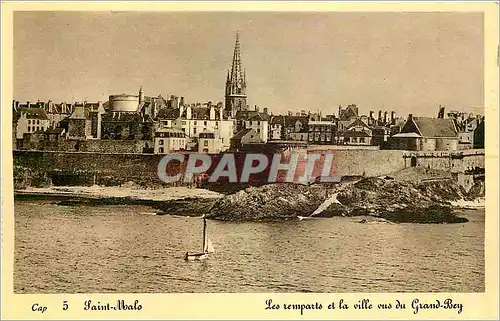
point(120, 192)
point(176, 201)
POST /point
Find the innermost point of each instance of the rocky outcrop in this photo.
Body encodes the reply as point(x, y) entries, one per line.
point(269, 202)
point(399, 201)
point(395, 201)
point(191, 206)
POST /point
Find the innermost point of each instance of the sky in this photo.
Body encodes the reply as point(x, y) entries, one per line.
point(406, 62)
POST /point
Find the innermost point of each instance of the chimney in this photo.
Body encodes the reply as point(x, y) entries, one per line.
point(265, 111)
point(410, 117)
point(379, 115)
point(371, 114)
point(181, 110)
point(385, 117)
point(212, 112)
point(441, 112)
point(393, 117)
point(256, 108)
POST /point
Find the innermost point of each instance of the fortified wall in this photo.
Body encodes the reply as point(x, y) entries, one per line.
point(467, 166)
point(88, 168)
point(453, 161)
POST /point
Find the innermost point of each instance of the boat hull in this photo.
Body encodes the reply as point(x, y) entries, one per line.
point(196, 257)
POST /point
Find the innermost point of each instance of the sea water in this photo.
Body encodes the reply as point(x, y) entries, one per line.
point(82, 249)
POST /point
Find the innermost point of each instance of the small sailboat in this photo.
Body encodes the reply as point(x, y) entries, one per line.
point(206, 249)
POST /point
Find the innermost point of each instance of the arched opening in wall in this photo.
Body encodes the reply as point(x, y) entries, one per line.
point(118, 132)
point(413, 161)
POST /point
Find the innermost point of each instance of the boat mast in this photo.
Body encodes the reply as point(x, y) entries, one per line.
point(204, 234)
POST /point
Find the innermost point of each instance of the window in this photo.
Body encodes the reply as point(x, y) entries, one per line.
point(160, 142)
point(205, 143)
point(361, 139)
point(258, 122)
point(29, 122)
point(194, 123)
point(38, 121)
point(160, 150)
point(205, 123)
point(194, 130)
point(29, 129)
point(37, 128)
point(258, 130)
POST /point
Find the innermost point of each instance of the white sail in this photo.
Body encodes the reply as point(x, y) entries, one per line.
point(209, 248)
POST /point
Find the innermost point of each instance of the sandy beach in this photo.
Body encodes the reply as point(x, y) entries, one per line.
point(124, 191)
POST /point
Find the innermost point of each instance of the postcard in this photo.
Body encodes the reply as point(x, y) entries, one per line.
point(249, 160)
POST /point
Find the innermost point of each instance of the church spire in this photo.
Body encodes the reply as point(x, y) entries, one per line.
point(236, 81)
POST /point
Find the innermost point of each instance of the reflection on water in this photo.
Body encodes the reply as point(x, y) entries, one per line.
point(62, 249)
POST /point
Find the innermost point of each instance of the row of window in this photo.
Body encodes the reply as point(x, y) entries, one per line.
point(195, 122)
point(35, 128)
point(174, 141)
point(318, 138)
point(355, 139)
point(37, 122)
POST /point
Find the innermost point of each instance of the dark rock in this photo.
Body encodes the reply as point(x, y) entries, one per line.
point(190, 206)
point(269, 202)
point(391, 200)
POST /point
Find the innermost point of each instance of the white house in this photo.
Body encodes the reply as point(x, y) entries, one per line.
point(260, 125)
point(209, 143)
point(30, 120)
point(195, 120)
point(168, 140)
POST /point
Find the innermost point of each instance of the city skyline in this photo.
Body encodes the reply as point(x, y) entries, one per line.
point(422, 59)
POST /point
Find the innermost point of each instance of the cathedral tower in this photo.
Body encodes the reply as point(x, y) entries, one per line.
point(236, 98)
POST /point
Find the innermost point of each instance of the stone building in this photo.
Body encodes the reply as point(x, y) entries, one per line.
point(244, 136)
point(426, 134)
point(254, 119)
point(322, 132)
point(358, 133)
point(131, 126)
point(130, 117)
point(85, 121)
point(296, 128)
point(276, 126)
